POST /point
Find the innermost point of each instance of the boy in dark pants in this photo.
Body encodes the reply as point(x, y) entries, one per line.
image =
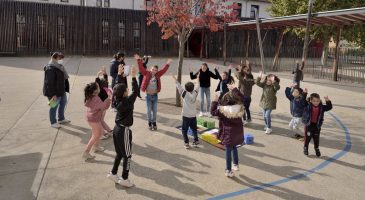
point(189, 95)
point(313, 117)
point(122, 135)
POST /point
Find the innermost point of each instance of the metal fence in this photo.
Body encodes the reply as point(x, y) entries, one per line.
point(351, 61)
point(29, 28)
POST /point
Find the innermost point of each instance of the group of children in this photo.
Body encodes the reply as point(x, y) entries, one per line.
point(231, 105)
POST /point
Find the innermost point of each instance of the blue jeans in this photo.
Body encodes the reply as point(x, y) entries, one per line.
point(204, 91)
point(246, 104)
point(192, 124)
point(61, 109)
point(151, 101)
point(229, 151)
point(267, 117)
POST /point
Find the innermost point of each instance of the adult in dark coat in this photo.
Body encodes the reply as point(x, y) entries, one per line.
point(55, 86)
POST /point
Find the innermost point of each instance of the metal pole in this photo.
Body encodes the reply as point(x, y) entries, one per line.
point(307, 30)
point(225, 44)
point(260, 43)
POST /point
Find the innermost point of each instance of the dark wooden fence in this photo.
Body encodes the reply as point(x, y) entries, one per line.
point(37, 28)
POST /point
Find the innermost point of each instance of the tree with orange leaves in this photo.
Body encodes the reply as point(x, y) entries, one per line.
point(178, 18)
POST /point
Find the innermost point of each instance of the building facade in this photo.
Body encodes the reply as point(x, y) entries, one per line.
point(118, 4)
point(248, 9)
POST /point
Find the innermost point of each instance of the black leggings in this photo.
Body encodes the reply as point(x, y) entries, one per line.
point(314, 133)
point(122, 137)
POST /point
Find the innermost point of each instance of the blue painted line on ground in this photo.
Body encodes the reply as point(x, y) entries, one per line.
point(322, 165)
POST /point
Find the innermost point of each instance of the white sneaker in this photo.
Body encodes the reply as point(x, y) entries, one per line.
point(208, 114)
point(65, 121)
point(99, 149)
point(235, 168)
point(55, 125)
point(125, 183)
point(201, 114)
point(229, 174)
point(105, 136)
point(114, 178)
point(268, 131)
point(87, 156)
point(244, 122)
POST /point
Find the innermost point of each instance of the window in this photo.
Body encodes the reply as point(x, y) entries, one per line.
point(61, 33)
point(107, 3)
point(239, 10)
point(149, 3)
point(20, 26)
point(121, 27)
point(65, 1)
point(105, 33)
point(99, 3)
point(42, 31)
point(255, 11)
point(137, 35)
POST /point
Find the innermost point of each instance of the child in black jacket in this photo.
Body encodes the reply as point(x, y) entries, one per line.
point(313, 117)
point(224, 80)
point(122, 135)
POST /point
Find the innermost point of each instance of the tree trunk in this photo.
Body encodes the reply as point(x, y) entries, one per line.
point(179, 68)
point(279, 42)
point(337, 53)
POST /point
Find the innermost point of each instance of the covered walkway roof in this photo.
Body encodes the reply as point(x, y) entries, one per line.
point(328, 18)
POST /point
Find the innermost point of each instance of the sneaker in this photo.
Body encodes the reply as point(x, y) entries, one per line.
point(305, 151)
point(105, 136)
point(187, 146)
point(112, 177)
point(249, 120)
point(229, 174)
point(99, 149)
point(150, 126)
point(125, 183)
point(208, 114)
point(195, 144)
point(268, 131)
point(318, 153)
point(201, 114)
point(154, 126)
point(87, 156)
point(55, 125)
point(65, 121)
point(235, 168)
point(244, 122)
point(265, 129)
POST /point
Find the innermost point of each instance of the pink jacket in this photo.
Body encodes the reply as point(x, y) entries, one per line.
point(95, 108)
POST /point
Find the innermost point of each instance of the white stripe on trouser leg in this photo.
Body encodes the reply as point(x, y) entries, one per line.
point(126, 142)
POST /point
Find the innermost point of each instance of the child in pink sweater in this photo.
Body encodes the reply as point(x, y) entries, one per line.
point(95, 108)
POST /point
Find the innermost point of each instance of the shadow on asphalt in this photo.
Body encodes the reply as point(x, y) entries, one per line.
point(17, 173)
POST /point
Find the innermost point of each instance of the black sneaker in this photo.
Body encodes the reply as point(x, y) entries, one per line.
point(305, 151)
point(154, 126)
point(318, 153)
point(195, 144)
point(150, 126)
point(187, 146)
